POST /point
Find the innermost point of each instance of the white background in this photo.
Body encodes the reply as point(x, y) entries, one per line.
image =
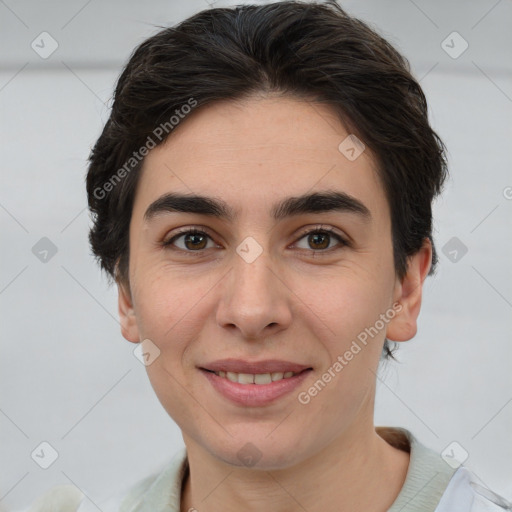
point(67, 375)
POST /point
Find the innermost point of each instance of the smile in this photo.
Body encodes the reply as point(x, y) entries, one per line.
point(254, 390)
point(258, 378)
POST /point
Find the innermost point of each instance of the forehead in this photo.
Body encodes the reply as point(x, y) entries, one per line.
point(255, 152)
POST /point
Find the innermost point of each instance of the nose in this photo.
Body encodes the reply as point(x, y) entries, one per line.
point(255, 300)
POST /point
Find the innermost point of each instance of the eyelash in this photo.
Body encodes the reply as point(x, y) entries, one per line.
point(168, 244)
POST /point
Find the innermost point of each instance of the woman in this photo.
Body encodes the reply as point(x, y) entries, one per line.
point(262, 198)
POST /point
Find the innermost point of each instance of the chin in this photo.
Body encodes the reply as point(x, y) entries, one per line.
point(255, 452)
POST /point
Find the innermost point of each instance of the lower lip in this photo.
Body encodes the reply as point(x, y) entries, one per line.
point(254, 395)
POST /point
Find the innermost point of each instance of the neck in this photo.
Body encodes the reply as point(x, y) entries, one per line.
point(356, 471)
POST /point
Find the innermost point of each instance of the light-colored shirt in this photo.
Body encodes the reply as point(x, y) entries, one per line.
point(431, 485)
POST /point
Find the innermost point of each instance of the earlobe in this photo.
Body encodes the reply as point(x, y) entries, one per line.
point(129, 328)
point(408, 292)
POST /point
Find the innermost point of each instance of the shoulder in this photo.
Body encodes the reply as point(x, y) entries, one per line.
point(466, 494)
point(58, 498)
point(68, 498)
point(434, 485)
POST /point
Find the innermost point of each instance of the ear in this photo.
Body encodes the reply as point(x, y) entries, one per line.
point(129, 328)
point(408, 292)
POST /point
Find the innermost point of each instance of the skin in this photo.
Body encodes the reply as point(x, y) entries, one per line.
point(291, 303)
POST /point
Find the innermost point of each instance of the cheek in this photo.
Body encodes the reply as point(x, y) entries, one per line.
point(172, 307)
point(345, 312)
point(344, 303)
point(164, 305)
point(168, 314)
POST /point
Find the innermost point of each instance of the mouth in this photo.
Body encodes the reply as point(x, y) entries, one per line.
point(255, 378)
point(254, 389)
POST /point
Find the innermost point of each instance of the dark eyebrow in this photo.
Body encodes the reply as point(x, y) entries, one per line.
point(317, 202)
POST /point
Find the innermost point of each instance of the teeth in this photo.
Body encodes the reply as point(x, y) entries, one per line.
point(233, 377)
point(245, 378)
point(260, 378)
point(263, 378)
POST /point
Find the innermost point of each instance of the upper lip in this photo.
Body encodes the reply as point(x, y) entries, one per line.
point(255, 367)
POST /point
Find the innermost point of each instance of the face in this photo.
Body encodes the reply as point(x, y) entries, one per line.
point(298, 284)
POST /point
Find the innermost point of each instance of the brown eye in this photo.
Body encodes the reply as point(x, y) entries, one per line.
point(319, 240)
point(192, 240)
point(195, 240)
